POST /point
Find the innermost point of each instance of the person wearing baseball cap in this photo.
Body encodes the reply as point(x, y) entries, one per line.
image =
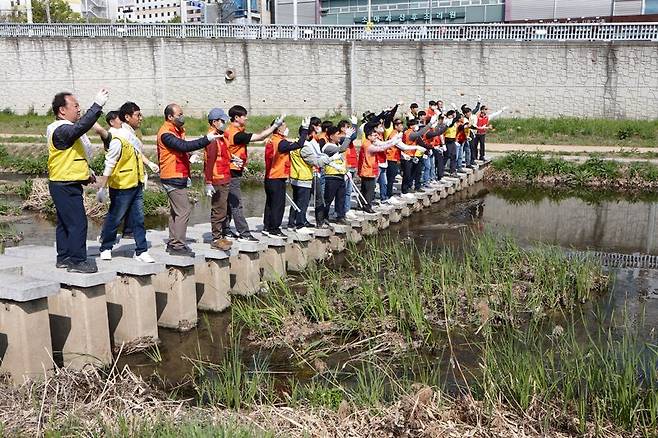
point(217, 173)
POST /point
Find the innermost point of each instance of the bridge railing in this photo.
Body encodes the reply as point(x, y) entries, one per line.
point(420, 32)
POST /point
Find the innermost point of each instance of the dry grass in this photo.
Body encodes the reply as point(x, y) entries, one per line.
point(40, 200)
point(95, 400)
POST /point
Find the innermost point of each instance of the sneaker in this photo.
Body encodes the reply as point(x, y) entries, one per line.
point(106, 254)
point(227, 233)
point(221, 244)
point(350, 215)
point(63, 264)
point(304, 230)
point(267, 233)
point(184, 252)
point(277, 233)
point(247, 237)
point(144, 257)
point(85, 267)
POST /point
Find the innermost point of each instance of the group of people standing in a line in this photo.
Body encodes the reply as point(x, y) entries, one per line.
point(322, 160)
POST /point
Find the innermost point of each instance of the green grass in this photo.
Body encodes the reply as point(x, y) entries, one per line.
point(155, 201)
point(561, 130)
point(393, 286)
point(575, 131)
point(24, 165)
point(529, 167)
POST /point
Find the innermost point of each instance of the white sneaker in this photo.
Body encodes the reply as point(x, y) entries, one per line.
point(144, 257)
point(304, 230)
point(106, 255)
point(350, 215)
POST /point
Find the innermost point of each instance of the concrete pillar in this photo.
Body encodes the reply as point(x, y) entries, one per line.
point(79, 326)
point(175, 296)
point(297, 256)
point(338, 240)
point(245, 273)
point(273, 263)
point(319, 248)
point(213, 284)
point(395, 215)
point(25, 343)
point(131, 311)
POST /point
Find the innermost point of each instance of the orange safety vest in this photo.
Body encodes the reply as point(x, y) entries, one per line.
point(173, 164)
point(239, 150)
point(393, 153)
point(277, 164)
point(221, 171)
point(368, 166)
point(351, 157)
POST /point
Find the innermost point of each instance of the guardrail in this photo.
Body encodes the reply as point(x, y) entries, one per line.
point(438, 32)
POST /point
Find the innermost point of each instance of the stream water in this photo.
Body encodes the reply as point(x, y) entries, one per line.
point(609, 223)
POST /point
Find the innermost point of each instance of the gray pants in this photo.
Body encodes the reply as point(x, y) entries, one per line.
point(235, 207)
point(219, 210)
point(179, 215)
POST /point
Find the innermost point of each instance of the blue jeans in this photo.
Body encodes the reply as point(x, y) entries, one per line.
point(71, 231)
point(467, 152)
point(383, 184)
point(459, 155)
point(428, 167)
point(130, 203)
point(348, 191)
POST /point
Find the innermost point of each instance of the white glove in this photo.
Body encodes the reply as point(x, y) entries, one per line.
point(154, 167)
point(306, 121)
point(349, 132)
point(210, 190)
point(429, 153)
point(237, 161)
point(406, 157)
point(444, 148)
point(102, 195)
point(279, 120)
point(434, 119)
point(354, 120)
point(195, 158)
point(479, 98)
point(212, 137)
point(449, 121)
point(453, 106)
point(102, 96)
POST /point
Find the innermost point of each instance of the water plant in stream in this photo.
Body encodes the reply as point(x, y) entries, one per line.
point(393, 289)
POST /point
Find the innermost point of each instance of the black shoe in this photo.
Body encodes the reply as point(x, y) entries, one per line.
point(307, 224)
point(85, 267)
point(278, 233)
point(247, 237)
point(64, 263)
point(229, 234)
point(184, 252)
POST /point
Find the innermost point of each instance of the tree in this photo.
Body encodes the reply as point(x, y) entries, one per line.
point(60, 12)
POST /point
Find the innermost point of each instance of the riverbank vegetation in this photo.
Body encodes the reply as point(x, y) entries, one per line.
point(559, 130)
point(501, 345)
point(595, 172)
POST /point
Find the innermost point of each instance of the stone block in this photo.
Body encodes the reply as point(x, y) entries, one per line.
point(48, 271)
point(273, 263)
point(245, 273)
point(213, 284)
point(132, 312)
point(25, 342)
point(175, 297)
point(297, 256)
point(79, 326)
point(20, 288)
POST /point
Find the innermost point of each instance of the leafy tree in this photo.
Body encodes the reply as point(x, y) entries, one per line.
point(60, 12)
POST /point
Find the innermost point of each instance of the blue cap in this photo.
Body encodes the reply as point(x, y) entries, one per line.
point(217, 114)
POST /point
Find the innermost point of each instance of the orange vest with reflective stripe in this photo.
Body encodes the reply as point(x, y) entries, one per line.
point(277, 164)
point(239, 150)
point(368, 166)
point(173, 164)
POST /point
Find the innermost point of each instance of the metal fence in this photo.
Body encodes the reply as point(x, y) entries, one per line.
point(439, 32)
